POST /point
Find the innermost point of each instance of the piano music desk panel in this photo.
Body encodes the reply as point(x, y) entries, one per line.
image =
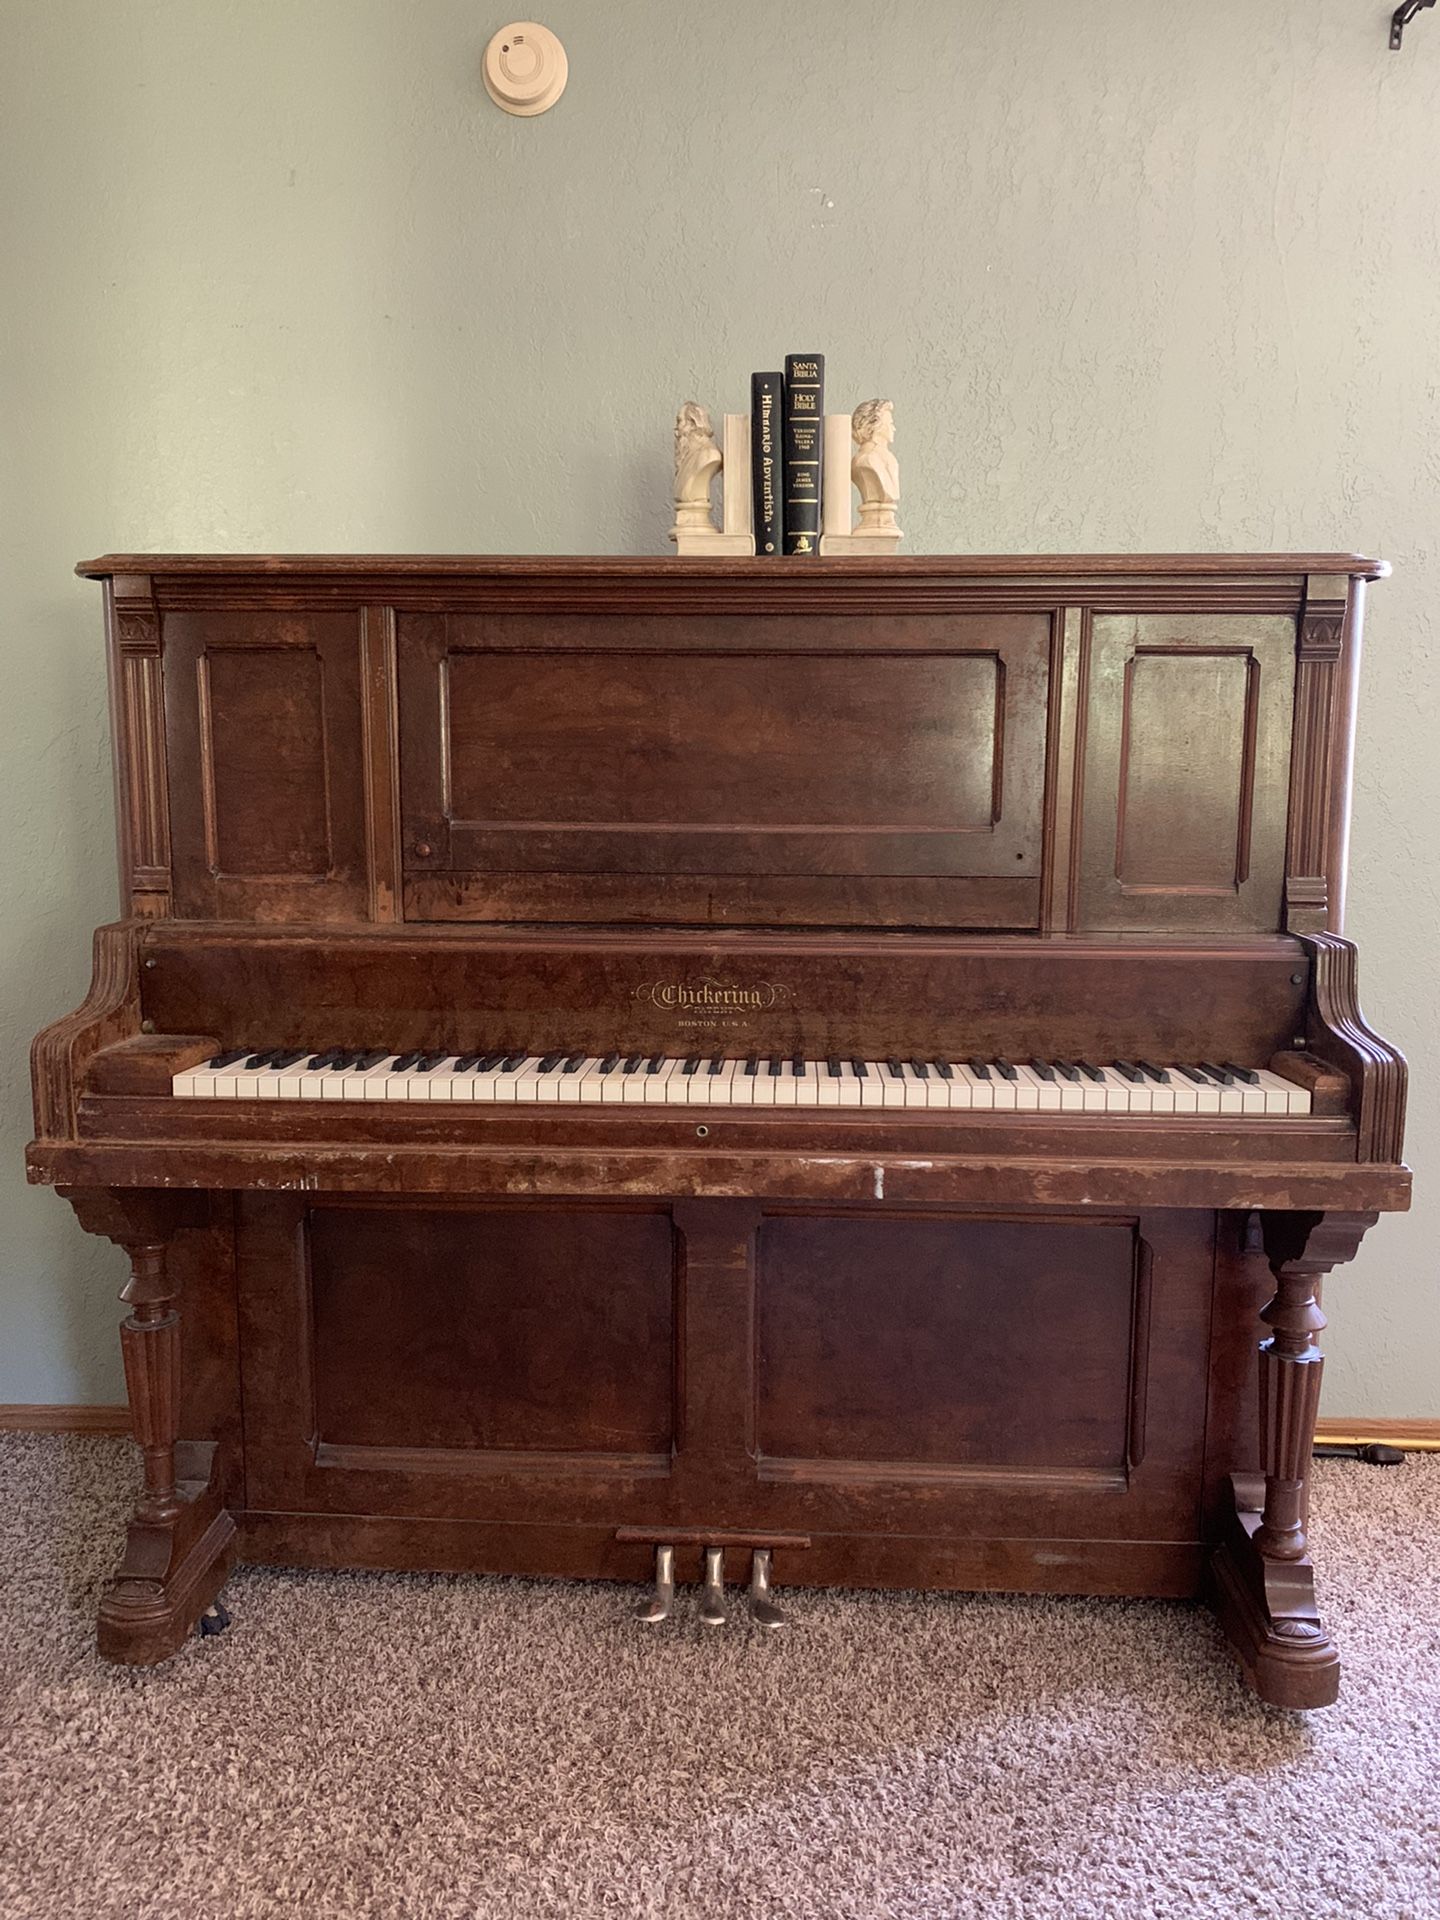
point(732, 771)
point(844, 1073)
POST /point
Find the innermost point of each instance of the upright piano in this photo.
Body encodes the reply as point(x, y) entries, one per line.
point(747, 1073)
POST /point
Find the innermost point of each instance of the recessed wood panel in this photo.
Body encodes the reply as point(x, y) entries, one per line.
point(267, 799)
point(1000, 1343)
point(718, 740)
point(492, 1329)
point(1186, 761)
point(724, 770)
point(262, 724)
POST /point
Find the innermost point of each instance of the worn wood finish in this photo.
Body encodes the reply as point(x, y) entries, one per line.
point(1089, 806)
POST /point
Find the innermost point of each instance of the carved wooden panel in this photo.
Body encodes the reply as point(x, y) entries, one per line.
point(137, 715)
point(724, 770)
point(1320, 767)
point(265, 726)
point(1186, 728)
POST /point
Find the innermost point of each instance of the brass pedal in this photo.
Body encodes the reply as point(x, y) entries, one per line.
point(763, 1610)
point(662, 1600)
point(712, 1588)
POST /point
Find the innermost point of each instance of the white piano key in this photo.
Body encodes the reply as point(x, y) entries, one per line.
point(285, 1085)
point(1047, 1092)
point(1162, 1094)
point(527, 1078)
point(979, 1094)
point(654, 1084)
point(590, 1084)
point(1295, 1098)
point(1024, 1087)
point(807, 1084)
point(1186, 1095)
point(760, 1086)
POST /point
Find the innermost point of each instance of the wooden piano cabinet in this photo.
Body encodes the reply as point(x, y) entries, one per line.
point(1030, 1401)
point(933, 1397)
point(1087, 808)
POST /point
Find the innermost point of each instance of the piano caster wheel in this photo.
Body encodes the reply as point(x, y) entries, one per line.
point(712, 1590)
point(657, 1607)
point(763, 1610)
point(215, 1621)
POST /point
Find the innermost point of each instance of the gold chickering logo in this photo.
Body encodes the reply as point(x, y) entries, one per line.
point(711, 996)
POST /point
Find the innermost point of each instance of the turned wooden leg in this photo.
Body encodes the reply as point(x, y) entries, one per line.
point(1264, 1581)
point(150, 1346)
point(179, 1544)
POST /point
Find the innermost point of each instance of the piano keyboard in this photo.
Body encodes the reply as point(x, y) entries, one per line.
point(983, 1086)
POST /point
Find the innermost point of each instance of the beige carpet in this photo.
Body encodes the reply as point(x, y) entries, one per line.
point(363, 1745)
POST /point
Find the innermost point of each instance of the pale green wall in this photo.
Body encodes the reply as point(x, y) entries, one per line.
point(277, 275)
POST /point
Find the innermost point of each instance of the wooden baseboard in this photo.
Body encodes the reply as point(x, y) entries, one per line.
point(1413, 1436)
point(47, 1419)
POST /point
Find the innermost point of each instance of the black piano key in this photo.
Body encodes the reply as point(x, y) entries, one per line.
point(776, 1064)
point(833, 1068)
point(692, 1065)
point(1066, 1069)
point(1160, 1075)
point(655, 1063)
point(944, 1069)
point(752, 1067)
point(258, 1060)
point(549, 1062)
point(467, 1062)
point(797, 1066)
point(980, 1069)
point(1222, 1074)
point(1247, 1074)
point(919, 1069)
point(488, 1062)
point(634, 1062)
point(609, 1063)
point(1091, 1071)
point(513, 1062)
point(280, 1061)
point(228, 1058)
point(894, 1069)
point(1194, 1075)
point(1007, 1070)
point(860, 1070)
point(403, 1061)
point(428, 1062)
point(1128, 1070)
point(574, 1061)
point(1042, 1068)
point(717, 1063)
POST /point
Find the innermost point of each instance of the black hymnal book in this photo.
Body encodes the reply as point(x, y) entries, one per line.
point(767, 399)
point(804, 448)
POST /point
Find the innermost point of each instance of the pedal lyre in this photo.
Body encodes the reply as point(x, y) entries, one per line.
point(658, 1606)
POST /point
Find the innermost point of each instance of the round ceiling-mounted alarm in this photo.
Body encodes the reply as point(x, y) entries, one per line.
point(525, 68)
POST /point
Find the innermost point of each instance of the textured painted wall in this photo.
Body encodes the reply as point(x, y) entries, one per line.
point(277, 275)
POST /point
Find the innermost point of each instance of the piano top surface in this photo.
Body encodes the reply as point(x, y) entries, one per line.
point(940, 566)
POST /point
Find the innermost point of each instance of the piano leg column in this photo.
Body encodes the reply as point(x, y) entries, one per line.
point(179, 1545)
point(1264, 1580)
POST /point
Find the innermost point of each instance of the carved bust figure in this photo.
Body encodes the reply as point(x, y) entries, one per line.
point(874, 468)
point(697, 460)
